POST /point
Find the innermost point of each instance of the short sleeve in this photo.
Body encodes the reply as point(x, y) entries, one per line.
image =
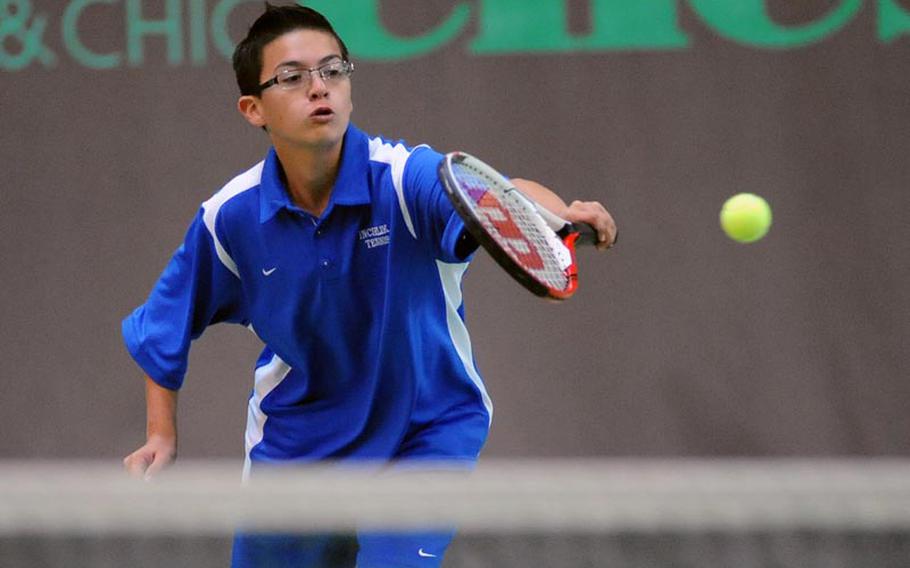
point(195, 290)
point(435, 218)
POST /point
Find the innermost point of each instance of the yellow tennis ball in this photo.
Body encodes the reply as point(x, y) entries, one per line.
point(745, 217)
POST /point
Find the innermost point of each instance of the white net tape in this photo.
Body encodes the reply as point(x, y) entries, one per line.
point(500, 497)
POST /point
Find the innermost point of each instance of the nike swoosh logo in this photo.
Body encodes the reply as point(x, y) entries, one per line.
point(268, 272)
point(423, 554)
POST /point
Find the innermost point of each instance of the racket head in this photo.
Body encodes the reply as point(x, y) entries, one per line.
point(509, 227)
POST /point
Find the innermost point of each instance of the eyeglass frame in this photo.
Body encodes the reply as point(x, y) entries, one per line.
point(348, 70)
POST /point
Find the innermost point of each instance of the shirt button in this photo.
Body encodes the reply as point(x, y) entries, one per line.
point(326, 263)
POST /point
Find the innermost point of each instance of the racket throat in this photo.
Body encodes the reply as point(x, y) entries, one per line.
point(571, 271)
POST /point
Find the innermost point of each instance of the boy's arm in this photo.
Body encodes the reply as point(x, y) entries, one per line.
point(590, 212)
point(160, 448)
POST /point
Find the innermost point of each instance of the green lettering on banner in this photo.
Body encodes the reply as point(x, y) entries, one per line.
point(893, 21)
point(197, 32)
point(171, 27)
point(748, 22)
point(219, 26)
point(18, 30)
point(518, 26)
point(619, 24)
point(359, 25)
point(74, 45)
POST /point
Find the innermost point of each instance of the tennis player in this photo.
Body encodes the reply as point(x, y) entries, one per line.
point(339, 250)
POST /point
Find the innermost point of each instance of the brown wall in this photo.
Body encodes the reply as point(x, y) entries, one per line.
point(680, 342)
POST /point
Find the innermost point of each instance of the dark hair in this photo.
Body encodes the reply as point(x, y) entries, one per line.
point(273, 23)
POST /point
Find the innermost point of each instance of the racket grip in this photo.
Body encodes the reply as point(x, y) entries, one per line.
point(587, 235)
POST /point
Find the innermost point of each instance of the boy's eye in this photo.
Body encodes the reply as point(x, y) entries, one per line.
point(292, 77)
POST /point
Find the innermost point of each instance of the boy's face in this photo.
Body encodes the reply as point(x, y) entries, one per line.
point(314, 114)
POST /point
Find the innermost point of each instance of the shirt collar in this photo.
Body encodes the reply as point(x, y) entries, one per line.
point(351, 187)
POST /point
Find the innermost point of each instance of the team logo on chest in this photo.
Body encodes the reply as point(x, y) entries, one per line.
point(375, 236)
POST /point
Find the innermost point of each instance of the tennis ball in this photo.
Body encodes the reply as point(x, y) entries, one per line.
point(745, 217)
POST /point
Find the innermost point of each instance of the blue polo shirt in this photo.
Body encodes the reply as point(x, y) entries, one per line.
point(360, 310)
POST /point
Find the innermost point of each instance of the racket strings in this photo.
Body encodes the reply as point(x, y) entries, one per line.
point(516, 226)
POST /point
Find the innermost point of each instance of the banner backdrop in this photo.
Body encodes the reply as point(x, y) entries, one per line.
point(118, 120)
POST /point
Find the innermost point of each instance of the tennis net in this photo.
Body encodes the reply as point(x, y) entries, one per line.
point(624, 513)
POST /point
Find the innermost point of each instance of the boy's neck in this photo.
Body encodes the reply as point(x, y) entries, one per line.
point(310, 175)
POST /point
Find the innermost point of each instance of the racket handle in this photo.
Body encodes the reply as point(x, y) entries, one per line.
point(587, 235)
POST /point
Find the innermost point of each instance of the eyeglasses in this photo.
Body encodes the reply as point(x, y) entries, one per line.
point(296, 77)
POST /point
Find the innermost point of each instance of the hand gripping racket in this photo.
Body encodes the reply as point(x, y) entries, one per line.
point(532, 244)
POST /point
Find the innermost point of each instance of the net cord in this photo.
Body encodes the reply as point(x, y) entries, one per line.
point(600, 496)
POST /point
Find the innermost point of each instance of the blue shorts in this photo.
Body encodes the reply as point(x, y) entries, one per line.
point(365, 550)
point(458, 442)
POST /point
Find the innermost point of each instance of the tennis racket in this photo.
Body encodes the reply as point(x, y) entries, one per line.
point(535, 246)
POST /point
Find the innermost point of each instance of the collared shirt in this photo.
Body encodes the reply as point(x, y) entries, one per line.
point(360, 309)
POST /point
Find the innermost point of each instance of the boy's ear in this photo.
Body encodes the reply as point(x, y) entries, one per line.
point(249, 107)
